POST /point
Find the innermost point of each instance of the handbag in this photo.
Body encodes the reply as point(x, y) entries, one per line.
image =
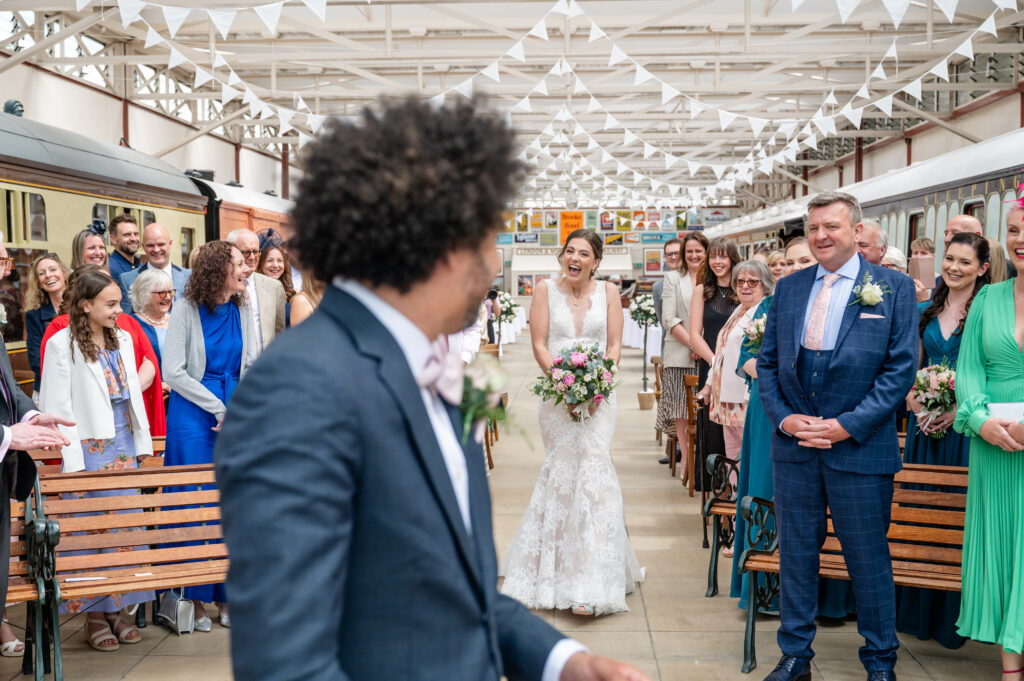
point(177, 612)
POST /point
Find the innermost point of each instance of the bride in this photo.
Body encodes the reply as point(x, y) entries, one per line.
point(571, 548)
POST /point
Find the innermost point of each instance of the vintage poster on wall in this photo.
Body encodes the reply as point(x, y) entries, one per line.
point(653, 216)
point(548, 239)
point(590, 219)
point(522, 222)
point(652, 261)
point(668, 219)
point(537, 220)
point(613, 239)
point(529, 238)
point(638, 219)
point(551, 220)
point(607, 220)
point(506, 239)
point(571, 221)
point(694, 220)
point(632, 238)
point(623, 220)
point(657, 237)
point(526, 284)
point(714, 217)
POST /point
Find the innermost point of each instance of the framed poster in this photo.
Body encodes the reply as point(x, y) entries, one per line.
point(654, 215)
point(590, 219)
point(571, 221)
point(639, 216)
point(632, 238)
point(652, 261)
point(623, 220)
point(506, 238)
point(522, 222)
point(536, 220)
point(548, 239)
point(607, 220)
point(613, 239)
point(526, 284)
point(551, 220)
point(668, 219)
point(528, 238)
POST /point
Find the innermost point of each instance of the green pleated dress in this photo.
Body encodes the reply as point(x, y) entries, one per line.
point(991, 369)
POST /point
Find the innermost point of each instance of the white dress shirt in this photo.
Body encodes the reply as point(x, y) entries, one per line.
point(254, 307)
point(5, 444)
point(417, 350)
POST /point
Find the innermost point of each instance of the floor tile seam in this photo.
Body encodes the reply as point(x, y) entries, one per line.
point(650, 637)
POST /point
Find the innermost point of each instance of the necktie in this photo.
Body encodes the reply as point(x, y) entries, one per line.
point(442, 373)
point(815, 338)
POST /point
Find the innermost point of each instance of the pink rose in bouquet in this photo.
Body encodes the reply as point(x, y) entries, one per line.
point(583, 385)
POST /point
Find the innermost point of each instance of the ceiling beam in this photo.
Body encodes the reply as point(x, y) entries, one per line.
point(40, 47)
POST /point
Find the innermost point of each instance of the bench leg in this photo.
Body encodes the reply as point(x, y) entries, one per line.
point(54, 636)
point(749, 654)
point(704, 518)
point(30, 637)
point(713, 561)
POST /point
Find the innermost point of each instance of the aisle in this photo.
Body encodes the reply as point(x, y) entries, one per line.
point(672, 632)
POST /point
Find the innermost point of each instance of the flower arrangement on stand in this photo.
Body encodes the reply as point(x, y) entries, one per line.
point(582, 377)
point(934, 387)
point(509, 310)
point(641, 311)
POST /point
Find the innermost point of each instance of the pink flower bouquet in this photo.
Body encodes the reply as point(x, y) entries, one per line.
point(934, 387)
point(580, 376)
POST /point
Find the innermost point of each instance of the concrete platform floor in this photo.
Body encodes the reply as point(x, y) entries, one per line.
point(672, 632)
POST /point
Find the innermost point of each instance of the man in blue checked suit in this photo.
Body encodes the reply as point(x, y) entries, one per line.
point(839, 355)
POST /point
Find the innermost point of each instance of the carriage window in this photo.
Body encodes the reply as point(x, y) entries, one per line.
point(35, 216)
point(976, 209)
point(5, 218)
point(187, 240)
point(148, 218)
point(914, 227)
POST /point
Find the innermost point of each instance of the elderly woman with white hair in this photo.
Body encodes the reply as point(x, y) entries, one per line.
point(151, 294)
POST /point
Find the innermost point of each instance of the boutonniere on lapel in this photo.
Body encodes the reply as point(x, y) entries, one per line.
point(483, 382)
point(868, 293)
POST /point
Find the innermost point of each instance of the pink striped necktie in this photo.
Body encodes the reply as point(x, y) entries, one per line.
point(815, 338)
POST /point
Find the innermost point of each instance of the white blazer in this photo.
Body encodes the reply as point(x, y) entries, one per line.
point(76, 389)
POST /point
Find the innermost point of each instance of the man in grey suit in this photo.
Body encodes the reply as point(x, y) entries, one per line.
point(267, 298)
point(157, 243)
point(357, 519)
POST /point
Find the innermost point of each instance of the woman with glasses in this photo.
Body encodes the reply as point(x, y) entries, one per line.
point(152, 293)
point(46, 286)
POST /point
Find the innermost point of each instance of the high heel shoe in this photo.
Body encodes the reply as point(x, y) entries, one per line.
point(580, 609)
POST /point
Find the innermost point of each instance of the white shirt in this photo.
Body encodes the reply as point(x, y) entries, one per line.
point(5, 444)
point(254, 307)
point(416, 348)
point(466, 343)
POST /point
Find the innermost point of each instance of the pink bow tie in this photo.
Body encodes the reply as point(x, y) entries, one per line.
point(443, 374)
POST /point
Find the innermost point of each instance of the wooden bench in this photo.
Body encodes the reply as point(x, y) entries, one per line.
point(925, 540)
point(688, 475)
point(720, 508)
point(151, 529)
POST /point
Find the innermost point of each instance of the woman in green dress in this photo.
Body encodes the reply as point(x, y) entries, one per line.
point(989, 371)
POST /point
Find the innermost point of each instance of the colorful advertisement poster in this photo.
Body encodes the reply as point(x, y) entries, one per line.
point(548, 239)
point(653, 215)
point(528, 238)
point(526, 284)
point(590, 219)
point(613, 239)
point(652, 261)
point(632, 238)
point(657, 237)
point(668, 219)
point(571, 221)
point(551, 220)
point(623, 220)
point(639, 216)
point(506, 238)
point(607, 220)
point(694, 220)
point(536, 220)
point(715, 216)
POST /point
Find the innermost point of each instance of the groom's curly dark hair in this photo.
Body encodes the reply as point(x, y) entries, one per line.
point(383, 200)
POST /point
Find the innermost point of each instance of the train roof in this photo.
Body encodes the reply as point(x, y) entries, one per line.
point(955, 167)
point(247, 197)
point(69, 152)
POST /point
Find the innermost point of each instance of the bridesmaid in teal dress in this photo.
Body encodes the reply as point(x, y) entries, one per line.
point(931, 613)
point(991, 367)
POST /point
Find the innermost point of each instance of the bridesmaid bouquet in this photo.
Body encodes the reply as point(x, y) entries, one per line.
point(753, 334)
point(581, 376)
point(934, 389)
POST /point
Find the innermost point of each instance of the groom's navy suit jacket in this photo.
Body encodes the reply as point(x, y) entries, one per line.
point(349, 557)
point(870, 372)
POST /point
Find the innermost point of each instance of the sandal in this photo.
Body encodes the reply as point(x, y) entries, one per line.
point(97, 639)
point(122, 629)
point(11, 648)
point(579, 609)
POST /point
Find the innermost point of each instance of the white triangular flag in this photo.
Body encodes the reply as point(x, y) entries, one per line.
point(787, 127)
point(233, 78)
point(300, 103)
point(617, 55)
point(285, 116)
point(718, 169)
point(885, 105)
point(826, 124)
point(222, 19)
point(266, 111)
point(561, 7)
point(696, 108)
point(811, 141)
point(578, 87)
point(879, 72)
point(725, 118)
point(913, 88)
point(648, 150)
point(668, 93)
point(516, 52)
point(771, 141)
point(227, 93)
point(81, 4)
point(174, 17)
point(592, 143)
point(523, 105)
point(891, 52)
point(574, 9)
point(465, 88)
point(219, 60)
point(593, 105)
point(175, 59)
point(989, 26)
point(862, 93)
point(846, 8)
point(492, 72)
point(437, 101)
point(766, 166)
point(270, 15)
point(541, 87)
point(642, 75)
point(852, 115)
point(130, 10)
point(578, 130)
point(595, 32)
point(610, 122)
point(948, 8)
point(693, 167)
point(152, 37)
point(628, 138)
point(317, 7)
point(606, 157)
point(941, 70)
point(966, 49)
point(563, 114)
point(670, 160)
point(620, 167)
point(1006, 4)
point(249, 97)
point(304, 139)
point(557, 70)
point(540, 30)
point(831, 99)
point(549, 130)
point(202, 77)
point(757, 124)
point(896, 9)
point(796, 4)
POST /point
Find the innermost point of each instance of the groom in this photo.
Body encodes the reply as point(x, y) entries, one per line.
point(358, 522)
point(839, 355)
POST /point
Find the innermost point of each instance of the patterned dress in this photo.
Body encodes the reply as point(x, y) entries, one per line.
point(103, 455)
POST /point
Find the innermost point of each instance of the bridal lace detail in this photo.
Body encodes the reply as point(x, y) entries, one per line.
point(571, 545)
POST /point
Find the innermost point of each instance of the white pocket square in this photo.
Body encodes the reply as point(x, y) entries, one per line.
point(868, 315)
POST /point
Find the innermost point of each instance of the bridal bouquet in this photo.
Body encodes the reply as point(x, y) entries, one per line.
point(753, 334)
point(581, 376)
point(934, 389)
point(641, 311)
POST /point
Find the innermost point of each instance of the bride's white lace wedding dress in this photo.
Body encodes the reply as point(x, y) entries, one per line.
point(571, 545)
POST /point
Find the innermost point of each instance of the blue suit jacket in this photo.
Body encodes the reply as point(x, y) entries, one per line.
point(349, 557)
point(179, 276)
point(871, 370)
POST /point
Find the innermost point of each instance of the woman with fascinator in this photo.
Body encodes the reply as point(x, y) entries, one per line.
point(89, 246)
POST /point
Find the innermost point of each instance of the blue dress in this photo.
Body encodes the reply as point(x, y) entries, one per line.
point(114, 453)
point(156, 337)
point(928, 613)
point(835, 598)
point(190, 435)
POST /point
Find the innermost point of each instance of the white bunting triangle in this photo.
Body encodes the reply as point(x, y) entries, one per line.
point(175, 59)
point(670, 160)
point(787, 127)
point(879, 72)
point(227, 93)
point(202, 77)
point(595, 32)
point(617, 55)
point(811, 141)
point(725, 118)
point(966, 49)
point(541, 87)
point(642, 75)
point(516, 52)
point(549, 130)
point(852, 115)
point(628, 138)
point(757, 124)
point(578, 130)
point(269, 15)
point(174, 17)
point(989, 26)
point(696, 108)
point(846, 8)
point(561, 7)
point(317, 7)
point(152, 37)
point(896, 10)
point(540, 30)
point(610, 122)
point(219, 60)
point(233, 78)
point(574, 9)
point(648, 150)
point(620, 167)
point(891, 52)
point(718, 169)
point(593, 105)
point(831, 99)
point(222, 19)
point(492, 72)
point(578, 87)
point(941, 70)
point(465, 88)
point(436, 101)
point(304, 139)
point(913, 88)
point(266, 111)
point(948, 8)
point(523, 105)
point(668, 93)
point(285, 116)
point(1006, 4)
point(826, 124)
point(693, 167)
point(563, 114)
point(796, 4)
point(862, 93)
point(81, 4)
point(130, 10)
point(592, 143)
point(300, 103)
point(606, 157)
point(885, 105)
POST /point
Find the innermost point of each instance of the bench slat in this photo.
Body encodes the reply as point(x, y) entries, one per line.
point(98, 561)
point(145, 518)
point(130, 502)
point(107, 540)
